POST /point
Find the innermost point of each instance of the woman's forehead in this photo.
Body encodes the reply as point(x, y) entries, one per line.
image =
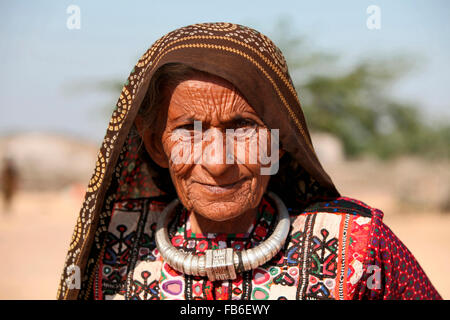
point(206, 97)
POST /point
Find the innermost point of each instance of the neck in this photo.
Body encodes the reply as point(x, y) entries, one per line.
point(240, 224)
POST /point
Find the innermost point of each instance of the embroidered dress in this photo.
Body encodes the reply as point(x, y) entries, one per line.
point(336, 249)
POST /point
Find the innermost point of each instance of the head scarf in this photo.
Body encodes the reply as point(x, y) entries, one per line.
point(256, 67)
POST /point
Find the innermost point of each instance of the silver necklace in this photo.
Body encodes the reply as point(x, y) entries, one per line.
point(221, 264)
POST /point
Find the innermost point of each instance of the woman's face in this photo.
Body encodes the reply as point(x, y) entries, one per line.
point(205, 181)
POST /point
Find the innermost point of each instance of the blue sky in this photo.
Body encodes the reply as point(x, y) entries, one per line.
point(42, 61)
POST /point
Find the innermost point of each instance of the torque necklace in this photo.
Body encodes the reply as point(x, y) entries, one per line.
point(221, 264)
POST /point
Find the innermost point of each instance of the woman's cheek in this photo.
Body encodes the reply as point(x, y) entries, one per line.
point(178, 151)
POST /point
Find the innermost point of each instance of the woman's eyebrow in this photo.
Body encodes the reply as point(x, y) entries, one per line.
point(185, 118)
point(239, 117)
point(234, 119)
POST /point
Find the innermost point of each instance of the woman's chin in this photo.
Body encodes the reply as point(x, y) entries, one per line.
point(217, 193)
point(221, 212)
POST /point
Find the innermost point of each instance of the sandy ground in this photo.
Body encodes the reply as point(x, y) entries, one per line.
point(34, 237)
point(35, 234)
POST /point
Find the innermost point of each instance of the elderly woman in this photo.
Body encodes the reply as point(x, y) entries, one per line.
point(207, 186)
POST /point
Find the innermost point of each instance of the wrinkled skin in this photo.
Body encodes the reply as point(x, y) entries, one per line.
point(220, 197)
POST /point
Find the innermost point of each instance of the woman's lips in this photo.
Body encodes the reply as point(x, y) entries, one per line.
point(223, 188)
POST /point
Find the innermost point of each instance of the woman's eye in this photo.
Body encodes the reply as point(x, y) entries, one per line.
point(188, 126)
point(185, 132)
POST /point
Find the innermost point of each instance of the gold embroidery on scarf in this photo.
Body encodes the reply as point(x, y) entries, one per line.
point(224, 27)
point(76, 234)
point(97, 178)
point(220, 26)
point(123, 105)
point(277, 70)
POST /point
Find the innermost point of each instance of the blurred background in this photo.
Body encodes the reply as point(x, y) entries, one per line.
point(373, 82)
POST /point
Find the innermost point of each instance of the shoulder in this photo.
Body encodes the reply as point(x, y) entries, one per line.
point(336, 233)
point(352, 222)
point(342, 206)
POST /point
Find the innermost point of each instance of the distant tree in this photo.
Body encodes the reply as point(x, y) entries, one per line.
point(355, 103)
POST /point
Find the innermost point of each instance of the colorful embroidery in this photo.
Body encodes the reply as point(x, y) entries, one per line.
point(326, 256)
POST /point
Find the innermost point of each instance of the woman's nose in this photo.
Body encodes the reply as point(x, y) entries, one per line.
point(215, 169)
point(214, 158)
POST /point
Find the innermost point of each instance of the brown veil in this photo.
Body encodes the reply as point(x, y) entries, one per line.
point(256, 67)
